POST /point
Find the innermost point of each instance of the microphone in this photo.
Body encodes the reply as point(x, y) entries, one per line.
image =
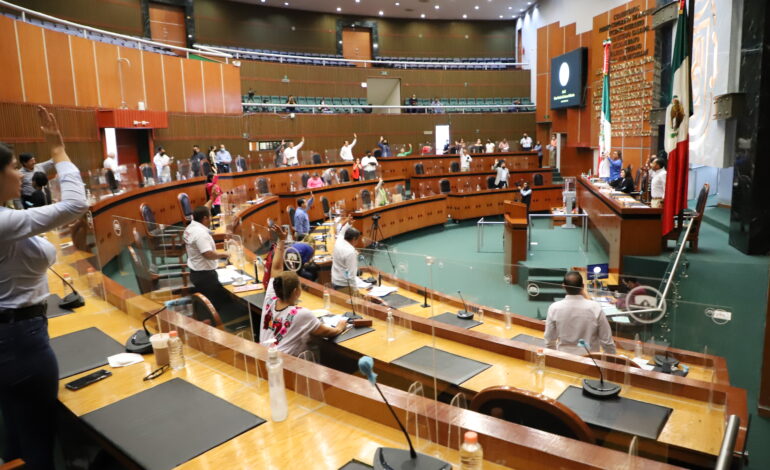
point(464, 314)
point(386, 458)
point(424, 293)
point(72, 300)
point(598, 388)
point(139, 342)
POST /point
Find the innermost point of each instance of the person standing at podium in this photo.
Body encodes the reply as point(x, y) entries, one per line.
point(576, 318)
point(616, 164)
point(29, 372)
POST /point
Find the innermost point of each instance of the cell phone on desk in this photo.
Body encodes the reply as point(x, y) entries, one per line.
point(87, 380)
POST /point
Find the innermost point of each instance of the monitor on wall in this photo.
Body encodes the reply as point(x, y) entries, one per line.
point(568, 79)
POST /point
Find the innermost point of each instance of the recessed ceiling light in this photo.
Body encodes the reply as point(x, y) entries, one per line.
point(521, 9)
point(476, 7)
point(510, 8)
point(398, 4)
point(529, 3)
point(263, 1)
point(436, 7)
point(465, 16)
point(381, 13)
point(339, 9)
point(422, 15)
point(501, 16)
point(286, 3)
point(358, 1)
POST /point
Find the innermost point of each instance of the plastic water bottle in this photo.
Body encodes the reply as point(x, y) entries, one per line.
point(279, 409)
point(471, 453)
point(327, 299)
point(66, 279)
point(391, 330)
point(507, 314)
point(638, 350)
point(540, 361)
point(93, 282)
point(175, 350)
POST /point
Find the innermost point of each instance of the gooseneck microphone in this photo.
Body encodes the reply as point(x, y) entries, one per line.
point(71, 300)
point(139, 342)
point(387, 458)
point(464, 314)
point(598, 388)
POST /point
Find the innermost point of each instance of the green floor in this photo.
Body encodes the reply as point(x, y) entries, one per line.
point(717, 276)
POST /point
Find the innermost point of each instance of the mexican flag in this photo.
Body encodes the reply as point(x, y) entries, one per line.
point(605, 121)
point(677, 139)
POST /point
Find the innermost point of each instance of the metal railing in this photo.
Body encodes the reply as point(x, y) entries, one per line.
point(26, 11)
point(725, 459)
point(480, 231)
point(581, 215)
point(444, 108)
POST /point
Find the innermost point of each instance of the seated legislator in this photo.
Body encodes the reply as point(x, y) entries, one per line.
point(29, 167)
point(345, 258)
point(315, 181)
point(282, 320)
point(41, 196)
point(301, 219)
point(625, 183)
point(641, 298)
point(202, 260)
point(576, 318)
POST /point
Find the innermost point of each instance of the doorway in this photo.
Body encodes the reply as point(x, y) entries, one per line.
point(384, 91)
point(132, 146)
point(357, 45)
point(442, 138)
point(167, 24)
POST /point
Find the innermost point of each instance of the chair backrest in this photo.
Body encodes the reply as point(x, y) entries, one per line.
point(305, 177)
point(325, 205)
point(142, 250)
point(290, 210)
point(532, 410)
point(454, 167)
point(112, 183)
point(146, 170)
point(366, 197)
point(638, 178)
point(344, 176)
point(700, 207)
point(377, 153)
point(141, 272)
point(240, 163)
point(148, 216)
point(203, 310)
point(206, 168)
point(490, 182)
point(537, 180)
point(263, 187)
point(444, 186)
point(316, 159)
point(615, 359)
point(401, 190)
point(419, 169)
point(185, 206)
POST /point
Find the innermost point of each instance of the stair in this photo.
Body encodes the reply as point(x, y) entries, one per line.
point(557, 178)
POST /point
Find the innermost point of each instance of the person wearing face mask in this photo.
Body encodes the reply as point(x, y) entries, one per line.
point(29, 373)
point(384, 147)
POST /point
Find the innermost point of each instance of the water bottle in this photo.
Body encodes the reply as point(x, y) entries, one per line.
point(471, 453)
point(638, 350)
point(540, 361)
point(175, 351)
point(66, 278)
point(93, 282)
point(327, 299)
point(391, 330)
point(507, 314)
point(279, 408)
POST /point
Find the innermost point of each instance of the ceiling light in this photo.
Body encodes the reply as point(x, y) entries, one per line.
point(529, 3)
point(521, 9)
point(476, 7)
point(286, 3)
point(263, 1)
point(465, 16)
point(501, 16)
point(381, 12)
point(436, 7)
point(422, 15)
point(398, 4)
point(510, 8)
point(358, 1)
point(339, 9)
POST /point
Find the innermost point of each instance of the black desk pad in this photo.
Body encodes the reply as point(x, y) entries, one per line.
point(529, 340)
point(451, 318)
point(83, 350)
point(256, 300)
point(618, 413)
point(350, 334)
point(356, 465)
point(53, 309)
point(449, 367)
point(170, 423)
point(398, 301)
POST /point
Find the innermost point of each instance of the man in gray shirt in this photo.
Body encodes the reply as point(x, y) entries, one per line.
point(575, 318)
point(29, 167)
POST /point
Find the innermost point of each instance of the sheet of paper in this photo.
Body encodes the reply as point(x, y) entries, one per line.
point(382, 291)
point(643, 363)
point(124, 359)
point(333, 320)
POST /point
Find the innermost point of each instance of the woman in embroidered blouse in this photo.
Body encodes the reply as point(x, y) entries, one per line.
point(291, 326)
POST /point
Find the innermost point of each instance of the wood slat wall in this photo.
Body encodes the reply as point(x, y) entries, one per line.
point(266, 78)
point(49, 67)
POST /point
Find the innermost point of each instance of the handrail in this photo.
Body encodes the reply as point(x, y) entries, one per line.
point(725, 458)
point(386, 106)
point(27, 11)
point(237, 52)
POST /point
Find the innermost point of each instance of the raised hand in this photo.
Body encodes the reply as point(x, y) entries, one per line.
point(50, 129)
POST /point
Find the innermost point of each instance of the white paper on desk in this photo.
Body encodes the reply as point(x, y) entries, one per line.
point(333, 320)
point(124, 359)
point(382, 291)
point(229, 274)
point(643, 363)
point(320, 312)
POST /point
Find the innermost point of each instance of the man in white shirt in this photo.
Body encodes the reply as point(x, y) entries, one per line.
point(489, 147)
point(465, 159)
point(576, 318)
point(345, 258)
point(291, 151)
point(111, 163)
point(346, 152)
point(202, 260)
point(369, 164)
point(658, 184)
point(501, 175)
point(526, 142)
point(162, 165)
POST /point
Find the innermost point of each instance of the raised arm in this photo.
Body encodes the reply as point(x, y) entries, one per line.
point(355, 139)
point(277, 267)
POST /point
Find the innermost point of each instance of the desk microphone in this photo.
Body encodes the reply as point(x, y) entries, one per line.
point(464, 314)
point(72, 300)
point(424, 293)
point(386, 458)
point(139, 342)
point(598, 388)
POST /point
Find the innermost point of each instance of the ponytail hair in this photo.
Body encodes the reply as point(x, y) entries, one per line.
point(284, 284)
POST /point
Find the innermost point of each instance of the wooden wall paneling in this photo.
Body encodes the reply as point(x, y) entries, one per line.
point(133, 77)
point(193, 86)
point(213, 87)
point(59, 59)
point(33, 63)
point(122, 16)
point(175, 87)
point(232, 89)
point(84, 63)
point(9, 57)
point(154, 81)
point(107, 68)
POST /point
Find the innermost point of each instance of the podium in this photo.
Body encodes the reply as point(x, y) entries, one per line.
point(515, 237)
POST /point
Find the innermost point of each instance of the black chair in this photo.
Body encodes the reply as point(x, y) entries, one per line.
point(344, 176)
point(263, 187)
point(147, 172)
point(148, 281)
point(444, 186)
point(325, 205)
point(419, 169)
point(240, 164)
point(366, 197)
point(305, 177)
point(290, 210)
point(491, 182)
point(532, 410)
point(401, 190)
point(454, 167)
point(185, 169)
point(537, 180)
point(316, 158)
point(185, 206)
point(377, 153)
point(112, 183)
point(206, 168)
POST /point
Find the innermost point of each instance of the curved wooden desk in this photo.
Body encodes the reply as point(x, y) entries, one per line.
point(402, 217)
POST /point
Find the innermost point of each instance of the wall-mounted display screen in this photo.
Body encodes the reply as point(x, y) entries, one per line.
point(568, 79)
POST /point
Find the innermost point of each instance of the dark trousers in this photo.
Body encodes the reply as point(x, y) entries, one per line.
point(29, 383)
point(207, 283)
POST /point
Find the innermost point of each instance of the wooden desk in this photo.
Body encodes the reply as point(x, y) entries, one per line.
point(468, 181)
point(622, 230)
point(475, 204)
point(402, 217)
point(403, 167)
